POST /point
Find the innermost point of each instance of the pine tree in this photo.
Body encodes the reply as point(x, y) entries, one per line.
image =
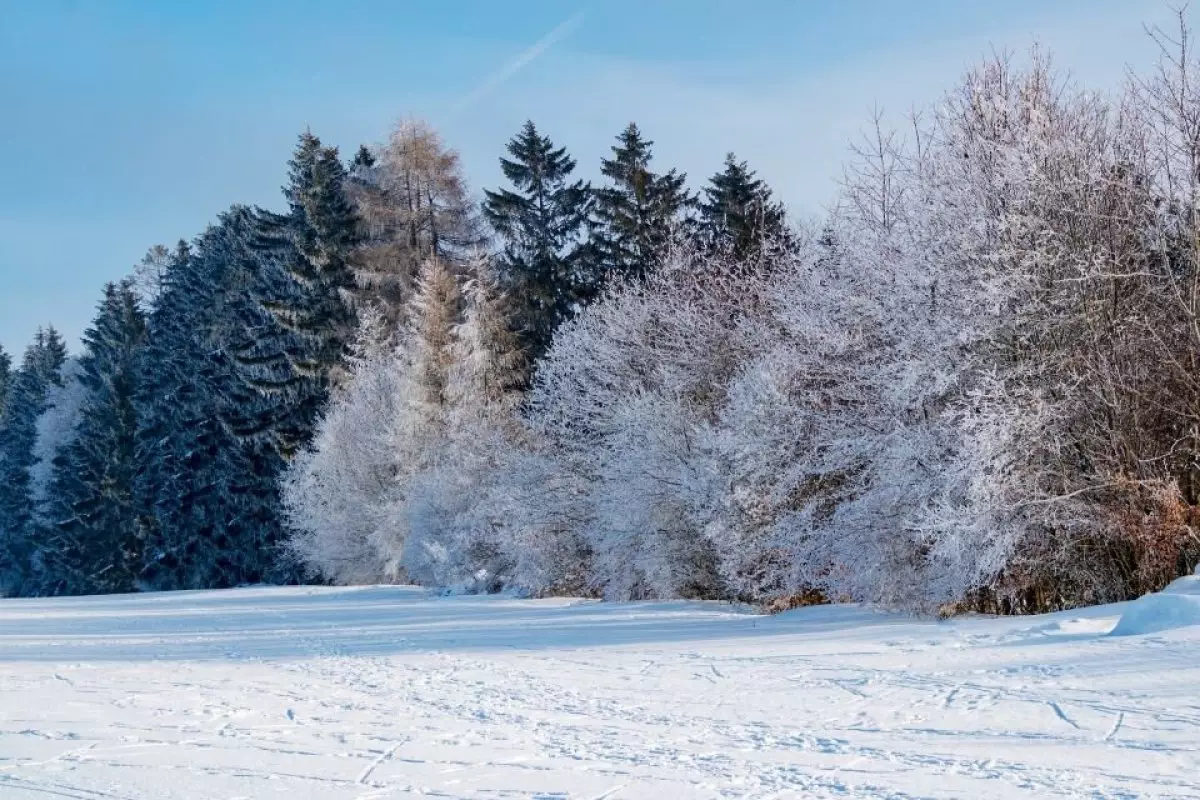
point(544, 266)
point(638, 212)
point(91, 544)
point(738, 211)
point(40, 369)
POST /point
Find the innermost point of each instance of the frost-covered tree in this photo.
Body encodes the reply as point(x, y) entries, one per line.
point(545, 265)
point(489, 363)
point(346, 494)
point(421, 469)
point(149, 274)
point(625, 394)
point(336, 492)
point(455, 534)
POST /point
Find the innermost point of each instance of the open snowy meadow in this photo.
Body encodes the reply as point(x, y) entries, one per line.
point(386, 692)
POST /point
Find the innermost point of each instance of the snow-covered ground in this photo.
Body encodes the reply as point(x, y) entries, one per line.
point(392, 692)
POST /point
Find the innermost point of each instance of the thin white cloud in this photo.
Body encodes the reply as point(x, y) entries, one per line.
point(562, 31)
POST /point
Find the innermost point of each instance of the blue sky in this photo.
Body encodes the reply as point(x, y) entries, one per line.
point(127, 123)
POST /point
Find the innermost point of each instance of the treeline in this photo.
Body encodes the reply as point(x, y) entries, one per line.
point(973, 385)
point(156, 458)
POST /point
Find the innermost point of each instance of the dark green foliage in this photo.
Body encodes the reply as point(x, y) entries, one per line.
point(323, 230)
point(5, 379)
point(738, 212)
point(90, 543)
point(639, 212)
point(302, 274)
point(40, 369)
point(208, 443)
point(544, 265)
point(363, 159)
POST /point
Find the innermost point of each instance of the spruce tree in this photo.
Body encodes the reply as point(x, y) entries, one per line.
point(363, 159)
point(638, 212)
point(544, 265)
point(40, 369)
point(323, 229)
point(738, 211)
point(5, 379)
point(301, 272)
point(91, 544)
point(213, 408)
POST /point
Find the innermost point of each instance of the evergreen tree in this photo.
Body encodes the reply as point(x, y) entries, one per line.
point(738, 211)
point(323, 229)
point(40, 369)
point(363, 159)
point(301, 272)
point(5, 379)
point(544, 265)
point(212, 405)
point(91, 544)
point(638, 211)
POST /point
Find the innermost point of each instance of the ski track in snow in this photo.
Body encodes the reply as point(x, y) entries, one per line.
point(386, 692)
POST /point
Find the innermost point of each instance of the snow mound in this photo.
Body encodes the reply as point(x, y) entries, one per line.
point(1177, 606)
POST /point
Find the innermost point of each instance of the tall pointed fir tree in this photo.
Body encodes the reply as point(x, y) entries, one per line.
point(738, 212)
point(323, 228)
point(40, 369)
point(363, 159)
point(187, 514)
point(90, 543)
point(544, 265)
point(638, 212)
point(306, 281)
point(213, 403)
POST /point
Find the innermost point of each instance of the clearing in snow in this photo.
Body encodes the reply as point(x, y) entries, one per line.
point(386, 692)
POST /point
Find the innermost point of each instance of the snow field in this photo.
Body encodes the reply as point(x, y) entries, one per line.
point(375, 693)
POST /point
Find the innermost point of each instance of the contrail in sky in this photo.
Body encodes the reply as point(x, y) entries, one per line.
point(561, 32)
